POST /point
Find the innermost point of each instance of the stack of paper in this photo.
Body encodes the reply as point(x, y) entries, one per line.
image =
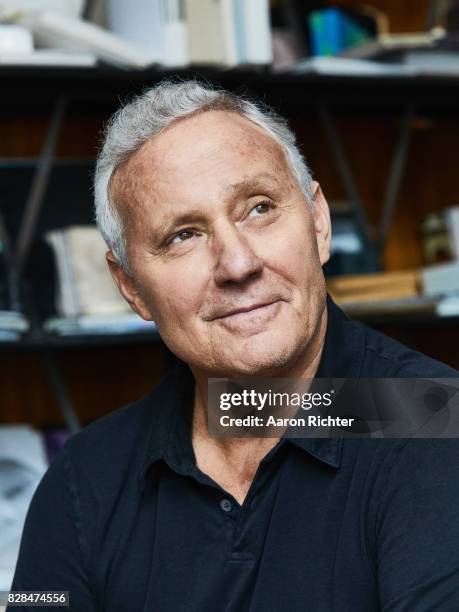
point(440, 279)
point(85, 285)
point(12, 325)
point(98, 324)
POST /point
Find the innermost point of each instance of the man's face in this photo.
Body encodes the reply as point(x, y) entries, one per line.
point(225, 252)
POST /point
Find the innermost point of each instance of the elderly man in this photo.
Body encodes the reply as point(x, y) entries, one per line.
point(217, 233)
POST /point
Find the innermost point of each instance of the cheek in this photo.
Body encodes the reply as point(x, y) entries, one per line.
point(293, 253)
point(175, 293)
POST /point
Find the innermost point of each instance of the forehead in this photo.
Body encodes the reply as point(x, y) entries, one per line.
point(197, 158)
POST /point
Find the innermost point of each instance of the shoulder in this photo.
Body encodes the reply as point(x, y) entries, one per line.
point(112, 438)
point(101, 455)
point(410, 510)
point(384, 356)
point(400, 481)
point(393, 459)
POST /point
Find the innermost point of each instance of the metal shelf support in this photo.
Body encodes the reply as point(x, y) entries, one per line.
point(37, 192)
point(59, 389)
point(344, 169)
point(397, 169)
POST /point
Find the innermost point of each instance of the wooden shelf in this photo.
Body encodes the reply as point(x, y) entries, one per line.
point(295, 94)
point(41, 341)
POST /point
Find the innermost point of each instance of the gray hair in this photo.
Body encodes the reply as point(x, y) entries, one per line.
point(152, 112)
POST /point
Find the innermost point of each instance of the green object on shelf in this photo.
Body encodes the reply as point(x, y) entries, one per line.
point(332, 31)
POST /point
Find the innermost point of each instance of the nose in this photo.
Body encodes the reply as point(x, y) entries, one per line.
point(235, 259)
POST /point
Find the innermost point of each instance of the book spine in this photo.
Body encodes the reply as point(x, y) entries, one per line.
point(326, 28)
point(452, 222)
point(205, 31)
point(240, 31)
point(257, 32)
point(175, 49)
point(227, 16)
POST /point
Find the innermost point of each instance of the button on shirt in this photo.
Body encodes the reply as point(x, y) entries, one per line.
point(125, 521)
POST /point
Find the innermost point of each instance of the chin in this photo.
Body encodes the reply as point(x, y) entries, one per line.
point(264, 362)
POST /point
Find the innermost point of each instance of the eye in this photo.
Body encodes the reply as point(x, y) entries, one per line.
point(180, 237)
point(261, 209)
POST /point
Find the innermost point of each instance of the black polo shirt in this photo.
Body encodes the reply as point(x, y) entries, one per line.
point(125, 521)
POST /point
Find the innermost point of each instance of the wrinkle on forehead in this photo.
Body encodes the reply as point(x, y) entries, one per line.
point(132, 187)
point(129, 191)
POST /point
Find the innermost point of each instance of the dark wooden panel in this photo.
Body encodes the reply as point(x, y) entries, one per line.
point(99, 380)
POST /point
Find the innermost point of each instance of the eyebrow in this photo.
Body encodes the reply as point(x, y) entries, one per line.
point(259, 181)
point(233, 191)
point(191, 216)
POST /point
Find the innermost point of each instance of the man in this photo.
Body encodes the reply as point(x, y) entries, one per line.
point(218, 233)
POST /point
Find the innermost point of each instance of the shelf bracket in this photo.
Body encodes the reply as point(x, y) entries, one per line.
point(59, 389)
point(344, 169)
point(398, 165)
point(37, 191)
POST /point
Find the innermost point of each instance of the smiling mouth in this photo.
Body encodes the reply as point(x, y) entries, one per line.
point(255, 309)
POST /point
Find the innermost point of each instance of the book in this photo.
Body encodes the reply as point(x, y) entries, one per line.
point(440, 279)
point(229, 32)
point(158, 27)
point(332, 31)
point(175, 48)
point(253, 32)
point(84, 283)
point(211, 32)
point(374, 287)
point(452, 224)
point(138, 23)
point(415, 305)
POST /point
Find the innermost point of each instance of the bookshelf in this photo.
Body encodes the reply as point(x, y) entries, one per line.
point(55, 115)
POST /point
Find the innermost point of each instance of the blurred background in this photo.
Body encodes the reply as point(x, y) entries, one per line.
point(371, 89)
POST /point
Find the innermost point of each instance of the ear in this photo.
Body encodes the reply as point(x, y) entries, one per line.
point(322, 223)
point(128, 287)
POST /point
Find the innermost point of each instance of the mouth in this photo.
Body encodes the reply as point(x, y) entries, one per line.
point(252, 309)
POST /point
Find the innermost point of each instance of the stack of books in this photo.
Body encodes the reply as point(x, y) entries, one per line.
point(380, 293)
point(432, 290)
point(171, 33)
